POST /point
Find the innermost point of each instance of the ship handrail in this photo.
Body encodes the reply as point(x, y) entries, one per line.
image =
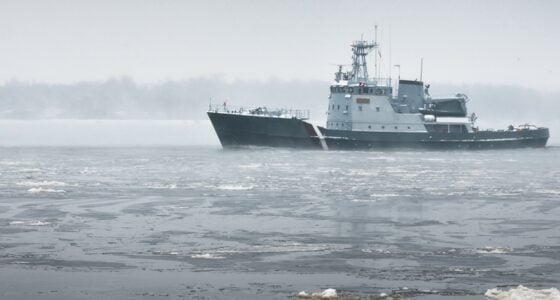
point(370, 82)
point(288, 113)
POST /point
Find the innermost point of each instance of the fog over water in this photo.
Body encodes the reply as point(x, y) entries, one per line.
point(123, 112)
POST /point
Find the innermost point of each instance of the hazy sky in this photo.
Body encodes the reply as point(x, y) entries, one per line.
point(493, 42)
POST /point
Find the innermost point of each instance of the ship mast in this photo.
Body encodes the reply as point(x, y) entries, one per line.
point(376, 53)
point(360, 50)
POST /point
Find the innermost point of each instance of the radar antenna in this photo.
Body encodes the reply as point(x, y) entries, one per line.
point(338, 75)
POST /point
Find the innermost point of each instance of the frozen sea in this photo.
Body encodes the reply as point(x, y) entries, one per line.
point(199, 222)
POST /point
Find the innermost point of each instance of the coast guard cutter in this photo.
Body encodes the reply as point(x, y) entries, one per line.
point(363, 113)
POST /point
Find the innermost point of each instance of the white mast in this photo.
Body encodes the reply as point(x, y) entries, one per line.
point(421, 67)
point(376, 53)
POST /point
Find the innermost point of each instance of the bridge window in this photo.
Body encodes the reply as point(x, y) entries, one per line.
point(338, 107)
point(377, 109)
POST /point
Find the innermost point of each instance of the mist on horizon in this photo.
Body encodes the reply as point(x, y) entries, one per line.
point(123, 112)
point(123, 98)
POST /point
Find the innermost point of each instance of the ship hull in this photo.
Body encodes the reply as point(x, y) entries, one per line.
point(337, 139)
point(236, 131)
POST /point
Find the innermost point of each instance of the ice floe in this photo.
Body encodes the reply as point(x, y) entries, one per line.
point(235, 187)
point(379, 250)
point(170, 186)
point(36, 190)
point(326, 294)
point(207, 256)
point(493, 250)
point(30, 223)
point(523, 293)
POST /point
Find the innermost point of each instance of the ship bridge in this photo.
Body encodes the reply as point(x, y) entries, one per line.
point(355, 97)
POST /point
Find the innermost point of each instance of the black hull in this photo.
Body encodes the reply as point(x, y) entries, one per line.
point(241, 131)
point(337, 139)
point(236, 131)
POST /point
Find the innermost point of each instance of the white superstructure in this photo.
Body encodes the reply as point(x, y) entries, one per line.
point(360, 103)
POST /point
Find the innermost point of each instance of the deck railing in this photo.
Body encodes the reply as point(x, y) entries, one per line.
point(260, 111)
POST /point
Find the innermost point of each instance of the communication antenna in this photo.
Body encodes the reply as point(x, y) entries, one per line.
point(390, 58)
point(421, 67)
point(376, 52)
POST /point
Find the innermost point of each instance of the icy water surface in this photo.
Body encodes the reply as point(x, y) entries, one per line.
point(204, 223)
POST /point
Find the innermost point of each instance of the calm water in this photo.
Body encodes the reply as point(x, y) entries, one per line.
point(203, 223)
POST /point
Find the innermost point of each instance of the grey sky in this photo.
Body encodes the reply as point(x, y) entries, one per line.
point(494, 42)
